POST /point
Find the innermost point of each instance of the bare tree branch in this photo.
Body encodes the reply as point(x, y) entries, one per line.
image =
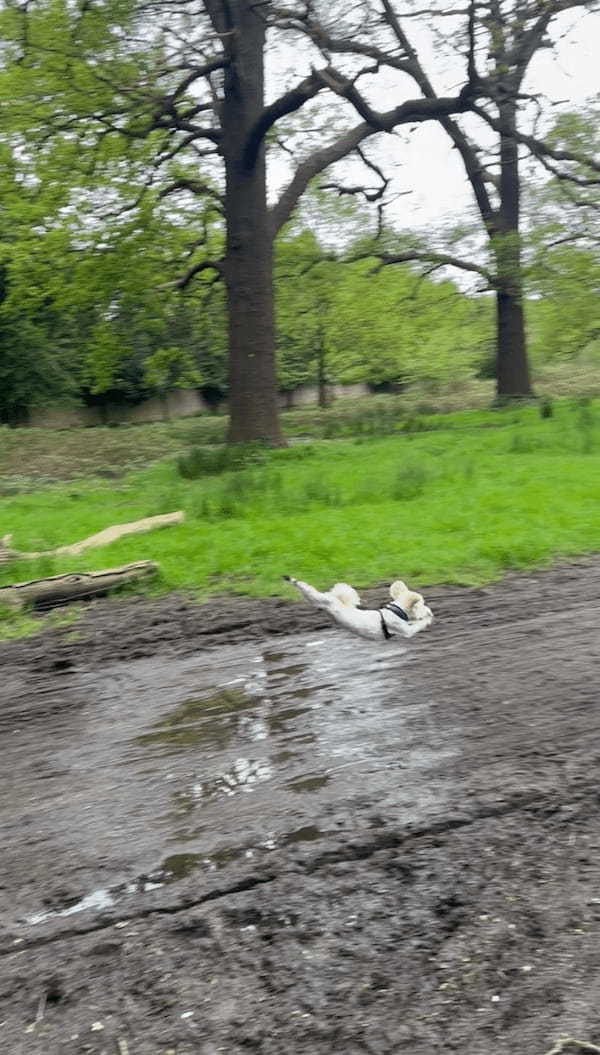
point(194, 186)
point(204, 265)
point(413, 111)
point(286, 104)
point(436, 259)
point(538, 147)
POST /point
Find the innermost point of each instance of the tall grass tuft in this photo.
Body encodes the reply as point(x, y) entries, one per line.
point(211, 461)
point(410, 481)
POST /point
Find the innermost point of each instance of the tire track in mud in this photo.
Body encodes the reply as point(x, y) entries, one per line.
point(359, 851)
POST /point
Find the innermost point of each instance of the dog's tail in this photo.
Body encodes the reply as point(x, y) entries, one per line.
point(345, 594)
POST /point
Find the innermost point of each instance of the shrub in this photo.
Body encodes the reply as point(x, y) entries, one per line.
point(211, 461)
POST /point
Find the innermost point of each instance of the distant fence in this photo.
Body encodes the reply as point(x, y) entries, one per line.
point(180, 403)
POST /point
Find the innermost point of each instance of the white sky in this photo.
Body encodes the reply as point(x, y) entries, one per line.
point(424, 162)
point(569, 74)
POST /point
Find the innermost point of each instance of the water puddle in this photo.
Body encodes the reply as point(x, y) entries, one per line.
point(208, 761)
point(309, 783)
point(241, 777)
point(210, 720)
point(173, 869)
point(98, 900)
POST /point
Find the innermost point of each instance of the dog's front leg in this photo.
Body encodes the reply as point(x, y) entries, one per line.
point(415, 625)
point(319, 600)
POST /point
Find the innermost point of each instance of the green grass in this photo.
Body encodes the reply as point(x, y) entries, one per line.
point(458, 498)
point(14, 624)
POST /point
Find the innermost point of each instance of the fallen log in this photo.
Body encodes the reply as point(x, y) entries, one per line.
point(59, 589)
point(101, 538)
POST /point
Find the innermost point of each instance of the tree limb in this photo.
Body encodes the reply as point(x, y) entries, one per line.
point(538, 147)
point(413, 111)
point(437, 259)
point(288, 103)
point(195, 186)
point(204, 265)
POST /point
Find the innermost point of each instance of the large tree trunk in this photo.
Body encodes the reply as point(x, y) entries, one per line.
point(253, 396)
point(512, 368)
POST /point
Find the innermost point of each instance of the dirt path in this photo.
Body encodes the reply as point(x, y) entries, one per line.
point(238, 829)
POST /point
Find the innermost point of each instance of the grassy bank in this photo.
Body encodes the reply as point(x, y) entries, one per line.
point(30, 458)
point(456, 498)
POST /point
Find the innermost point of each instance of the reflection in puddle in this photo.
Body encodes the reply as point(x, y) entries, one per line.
point(97, 900)
point(175, 868)
point(244, 773)
point(100, 899)
point(209, 720)
point(308, 834)
point(285, 672)
point(309, 783)
point(178, 866)
point(284, 735)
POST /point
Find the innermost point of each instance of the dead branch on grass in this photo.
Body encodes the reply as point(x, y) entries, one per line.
point(101, 538)
point(564, 1043)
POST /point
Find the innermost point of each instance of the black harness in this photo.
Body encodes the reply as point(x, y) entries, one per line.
point(391, 607)
point(397, 610)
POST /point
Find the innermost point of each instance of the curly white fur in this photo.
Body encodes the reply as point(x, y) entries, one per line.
point(342, 604)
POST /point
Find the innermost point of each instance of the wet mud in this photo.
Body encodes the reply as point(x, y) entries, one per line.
point(234, 827)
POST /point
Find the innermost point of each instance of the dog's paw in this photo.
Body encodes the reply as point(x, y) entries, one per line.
point(287, 578)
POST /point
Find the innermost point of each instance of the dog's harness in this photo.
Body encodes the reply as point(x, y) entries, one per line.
point(397, 610)
point(391, 607)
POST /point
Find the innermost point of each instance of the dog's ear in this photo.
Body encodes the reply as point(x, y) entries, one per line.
point(398, 589)
point(413, 599)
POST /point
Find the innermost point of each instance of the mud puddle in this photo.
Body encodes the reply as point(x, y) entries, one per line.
point(229, 837)
point(169, 767)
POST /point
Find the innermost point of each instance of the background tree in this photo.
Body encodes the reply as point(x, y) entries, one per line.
point(505, 37)
point(306, 278)
point(358, 322)
point(171, 90)
point(563, 273)
point(80, 309)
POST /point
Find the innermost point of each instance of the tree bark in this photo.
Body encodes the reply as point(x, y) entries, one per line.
point(512, 368)
point(248, 263)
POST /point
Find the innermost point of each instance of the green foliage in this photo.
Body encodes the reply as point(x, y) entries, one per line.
point(92, 243)
point(86, 238)
point(305, 280)
point(393, 326)
point(346, 322)
point(169, 368)
point(564, 267)
point(565, 319)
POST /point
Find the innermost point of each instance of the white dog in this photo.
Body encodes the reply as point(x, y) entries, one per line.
point(405, 614)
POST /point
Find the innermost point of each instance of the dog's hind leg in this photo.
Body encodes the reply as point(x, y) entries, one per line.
point(314, 597)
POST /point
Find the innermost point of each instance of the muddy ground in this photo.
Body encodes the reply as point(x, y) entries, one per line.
point(235, 829)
